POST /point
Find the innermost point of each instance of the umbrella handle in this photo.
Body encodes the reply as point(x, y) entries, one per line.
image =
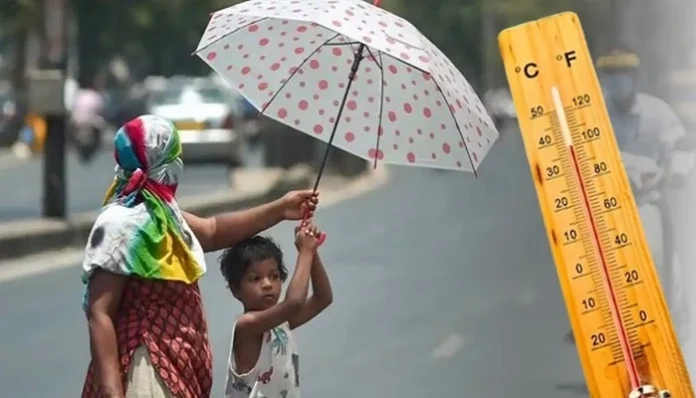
point(322, 236)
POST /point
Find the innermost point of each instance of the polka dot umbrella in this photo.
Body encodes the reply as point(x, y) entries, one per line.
point(353, 75)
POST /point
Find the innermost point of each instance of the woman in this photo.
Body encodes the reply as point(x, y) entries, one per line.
point(144, 256)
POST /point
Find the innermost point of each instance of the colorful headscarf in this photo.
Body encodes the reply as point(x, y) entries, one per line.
point(140, 230)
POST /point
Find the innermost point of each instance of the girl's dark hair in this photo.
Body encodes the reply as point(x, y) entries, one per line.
point(235, 260)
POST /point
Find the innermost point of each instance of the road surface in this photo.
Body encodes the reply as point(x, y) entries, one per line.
point(21, 182)
point(444, 287)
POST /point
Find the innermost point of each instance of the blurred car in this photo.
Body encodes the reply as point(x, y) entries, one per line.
point(204, 115)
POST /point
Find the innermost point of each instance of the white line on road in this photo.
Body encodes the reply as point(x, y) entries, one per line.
point(45, 262)
point(449, 347)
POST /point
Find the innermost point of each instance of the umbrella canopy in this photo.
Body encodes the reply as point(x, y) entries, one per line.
point(316, 65)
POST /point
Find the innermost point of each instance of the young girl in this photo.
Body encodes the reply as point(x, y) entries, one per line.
point(263, 360)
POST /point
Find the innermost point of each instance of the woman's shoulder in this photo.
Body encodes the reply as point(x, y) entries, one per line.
point(115, 213)
point(113, 222)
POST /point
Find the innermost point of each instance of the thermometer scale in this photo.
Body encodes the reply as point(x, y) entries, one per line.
point(622, 328)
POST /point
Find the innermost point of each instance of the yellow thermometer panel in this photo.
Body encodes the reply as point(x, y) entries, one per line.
point(622, 328)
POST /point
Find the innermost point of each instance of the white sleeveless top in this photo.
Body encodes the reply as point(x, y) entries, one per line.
point(276, 374)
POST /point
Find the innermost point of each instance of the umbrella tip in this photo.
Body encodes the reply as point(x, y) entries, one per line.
point(377, 3)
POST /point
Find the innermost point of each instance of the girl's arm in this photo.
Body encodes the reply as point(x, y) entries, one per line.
point(104, 298)
point(322, 295)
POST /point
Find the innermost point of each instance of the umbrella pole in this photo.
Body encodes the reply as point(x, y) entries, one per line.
point(353, 71)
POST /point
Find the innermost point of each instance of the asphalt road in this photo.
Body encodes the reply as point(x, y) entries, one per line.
point(21, 182)
point(444, 286)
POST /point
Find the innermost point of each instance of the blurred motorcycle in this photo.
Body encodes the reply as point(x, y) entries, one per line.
point(87, 135)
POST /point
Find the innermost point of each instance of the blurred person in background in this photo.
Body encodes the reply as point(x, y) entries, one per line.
point(87, 121)
point(658, 158)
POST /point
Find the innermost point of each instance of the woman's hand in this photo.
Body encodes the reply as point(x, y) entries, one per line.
point(295, 204)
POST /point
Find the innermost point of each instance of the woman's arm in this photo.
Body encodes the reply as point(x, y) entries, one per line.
point(322, 295)
point(218, 232)
point(104, 298)
point(225, 230)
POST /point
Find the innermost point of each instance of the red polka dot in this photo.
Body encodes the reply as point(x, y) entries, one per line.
point(211, 56)
point(301, 29)
point(314, 64)
point(426, 76)
point(405, 56)
point(478, 130)
point(392, 116)
point(427, 112)
point(423, 58)
point(323, 84)
point(446, 148)
point(367, 39)
point(282, 113)
point(263, 86)
point(473, 155)
point(433, 155)
point(411, 157)
point(253, 28)
point(275, 66)
point(303, 105)
point(393, 69)
point(336, 24)
point(246, 70)
point(373, 153)
point(351, 105)
point(229, 67)
point(318, 129)
point(299, 50)
point(337, 51)
point(264, 42)
point(408, 108)
point(459, 164)
point(349, 137)
point(396, 147)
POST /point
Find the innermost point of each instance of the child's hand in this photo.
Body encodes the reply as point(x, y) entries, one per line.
point(307, 236)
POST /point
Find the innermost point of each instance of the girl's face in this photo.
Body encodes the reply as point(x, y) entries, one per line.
point(261, 286)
